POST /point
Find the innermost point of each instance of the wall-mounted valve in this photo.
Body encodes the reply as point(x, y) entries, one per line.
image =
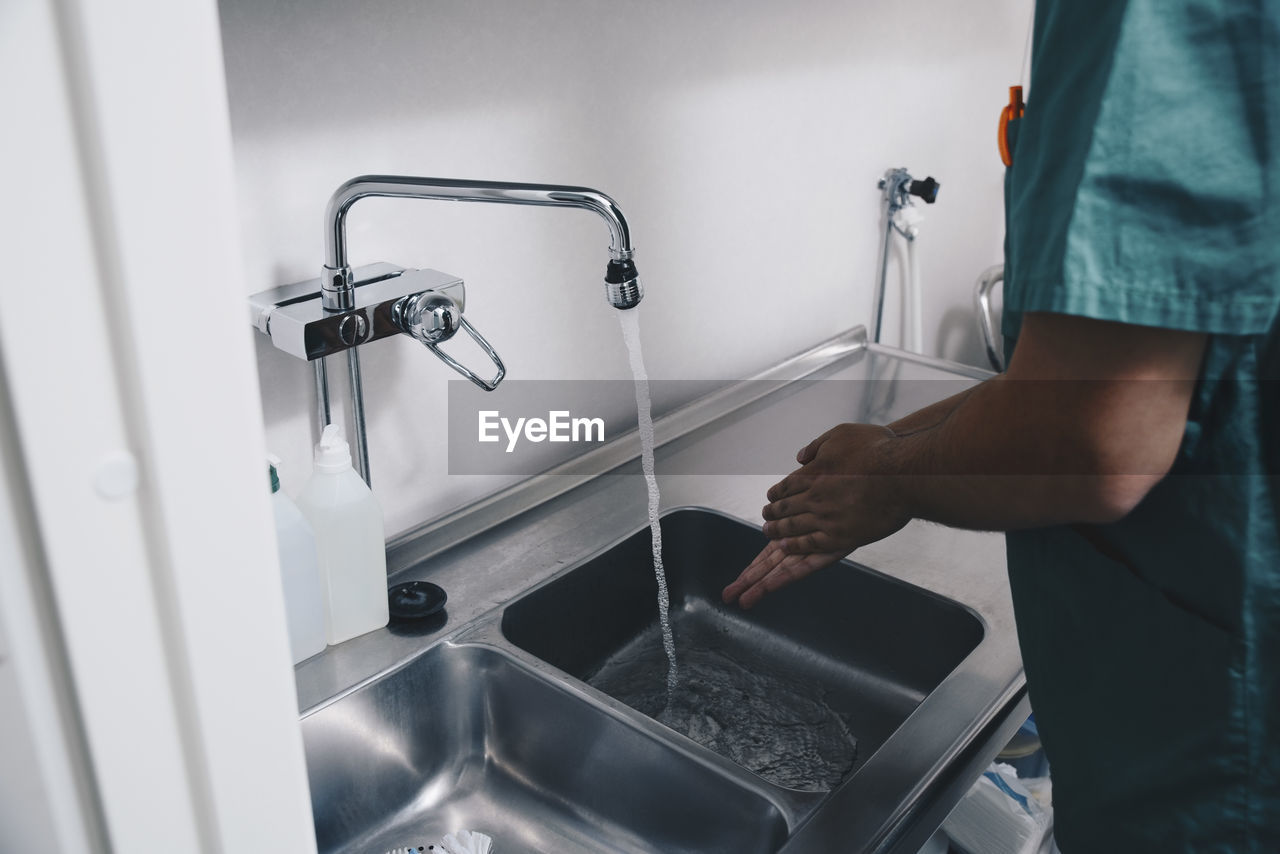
point(902, 216)
point(898, 186)
point(299, 324)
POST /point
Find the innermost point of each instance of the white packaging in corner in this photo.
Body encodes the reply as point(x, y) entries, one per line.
point(350, 540)
point(999, 815)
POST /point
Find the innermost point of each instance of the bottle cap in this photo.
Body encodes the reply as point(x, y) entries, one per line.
point(332, 454)
point(272, 462)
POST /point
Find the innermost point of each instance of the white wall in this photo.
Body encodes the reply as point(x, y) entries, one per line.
point(743, 141)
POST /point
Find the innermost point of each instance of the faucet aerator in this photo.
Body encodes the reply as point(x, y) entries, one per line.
point(622, 285)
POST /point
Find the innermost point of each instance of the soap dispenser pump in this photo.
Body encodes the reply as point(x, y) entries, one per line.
point(350, 540)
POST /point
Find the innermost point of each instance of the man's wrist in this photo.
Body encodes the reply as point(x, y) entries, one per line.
point(890, 465)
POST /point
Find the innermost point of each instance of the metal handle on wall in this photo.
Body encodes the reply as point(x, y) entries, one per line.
point(990, 277)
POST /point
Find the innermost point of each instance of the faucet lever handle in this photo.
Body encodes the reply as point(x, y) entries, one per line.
point(432, 318)
point(428, 316)
point(487, 385)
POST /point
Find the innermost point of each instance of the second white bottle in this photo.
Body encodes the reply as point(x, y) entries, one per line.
point(350, 540)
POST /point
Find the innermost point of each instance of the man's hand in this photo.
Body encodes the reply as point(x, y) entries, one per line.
point(834, 503)
point(838, 499)
point(773, 569)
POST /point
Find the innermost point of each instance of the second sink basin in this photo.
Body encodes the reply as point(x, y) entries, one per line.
point(863, 649)
point(464, 737)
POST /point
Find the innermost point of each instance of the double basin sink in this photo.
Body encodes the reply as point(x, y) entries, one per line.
point(520, 724)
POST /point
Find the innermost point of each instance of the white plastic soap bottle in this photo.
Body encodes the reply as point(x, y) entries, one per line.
point(349, 534)
point(299, 573)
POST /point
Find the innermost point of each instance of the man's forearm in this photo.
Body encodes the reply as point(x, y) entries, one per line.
point(930, 416)
point(1015, 454)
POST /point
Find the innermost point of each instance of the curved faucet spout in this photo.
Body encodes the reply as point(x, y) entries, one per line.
point(336, 279)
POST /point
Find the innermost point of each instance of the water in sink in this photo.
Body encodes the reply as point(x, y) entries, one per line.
point(877, 647)
point(630, 322)
point(738, 705)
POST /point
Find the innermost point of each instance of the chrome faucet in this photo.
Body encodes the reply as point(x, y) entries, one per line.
point(622, 286)
point(346, 308)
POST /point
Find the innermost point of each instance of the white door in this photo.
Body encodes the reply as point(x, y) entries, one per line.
point(146, 693)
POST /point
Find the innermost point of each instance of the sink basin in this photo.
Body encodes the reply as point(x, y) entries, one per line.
point(534, 709)
point(868, 648)
point(545, 724)
point(466, 737)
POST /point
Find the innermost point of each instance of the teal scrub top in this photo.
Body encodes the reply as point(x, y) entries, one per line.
point(1145, 189)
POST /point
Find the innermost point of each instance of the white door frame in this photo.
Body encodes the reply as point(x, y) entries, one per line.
point(142, 617)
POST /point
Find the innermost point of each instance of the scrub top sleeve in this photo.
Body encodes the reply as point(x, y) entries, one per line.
point(1161, 211)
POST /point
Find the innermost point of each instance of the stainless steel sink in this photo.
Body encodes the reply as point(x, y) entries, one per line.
point(513, 726)
point(504, 714)
point(464, 737)
point(866, 646)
